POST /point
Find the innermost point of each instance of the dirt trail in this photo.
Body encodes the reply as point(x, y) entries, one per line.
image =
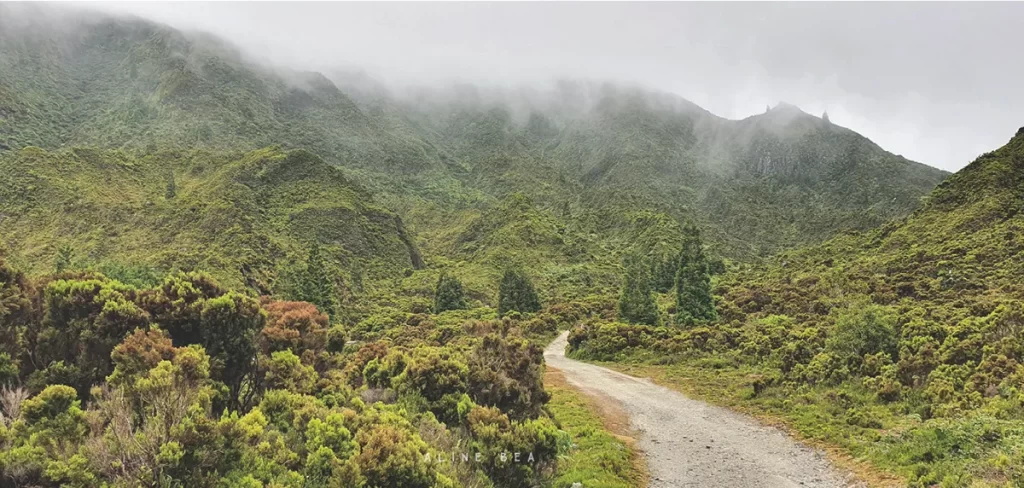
point(690, 443)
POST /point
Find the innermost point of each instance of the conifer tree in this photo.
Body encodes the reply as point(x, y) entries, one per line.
point(448, 295)
point(636, 302)
point(172, 187)
point(65, 255)
point(516, 292)
point(315, 283)
point(694, 303)
point(663, 272)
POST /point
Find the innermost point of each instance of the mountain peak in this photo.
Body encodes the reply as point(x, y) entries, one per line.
point(785, 107)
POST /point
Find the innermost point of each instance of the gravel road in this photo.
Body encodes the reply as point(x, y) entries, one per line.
point(690, 443)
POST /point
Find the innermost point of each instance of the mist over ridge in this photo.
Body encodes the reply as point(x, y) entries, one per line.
point(321, 245)
point(918, 79)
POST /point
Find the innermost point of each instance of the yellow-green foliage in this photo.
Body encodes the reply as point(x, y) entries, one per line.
point(196, 385)
point(904, 344)
point(247, 218)
point(129, 151)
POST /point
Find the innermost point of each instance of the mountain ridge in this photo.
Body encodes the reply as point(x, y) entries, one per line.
point(589, 155)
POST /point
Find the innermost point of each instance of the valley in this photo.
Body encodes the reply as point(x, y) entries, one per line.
point(215, 272)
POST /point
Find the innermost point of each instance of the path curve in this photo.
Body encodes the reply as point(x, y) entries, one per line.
point(690, 443)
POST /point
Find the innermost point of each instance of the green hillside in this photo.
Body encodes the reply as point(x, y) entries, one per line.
point(90, 79)
point(589, 154)
point(903, 344)
point(249, 218)
point(164, 198)
point(759, 185)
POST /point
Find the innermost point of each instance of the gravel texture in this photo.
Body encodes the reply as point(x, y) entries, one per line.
point(690, 443)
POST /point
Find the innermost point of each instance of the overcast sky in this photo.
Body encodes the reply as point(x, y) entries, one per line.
point(939, 83)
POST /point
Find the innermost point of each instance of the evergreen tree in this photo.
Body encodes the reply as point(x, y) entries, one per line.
point(448, 295)
point(694, 303)
point(172, 187)
point(663, 272)
point(636, 303)
point(65, 255)
point(516, 292)
point(315, 283)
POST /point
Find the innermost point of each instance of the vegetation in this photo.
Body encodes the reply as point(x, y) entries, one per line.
point(901, 345)
point(219, 274)
point(636, 301)
point(187, 383)
point(597, 458)
point(516, 293)
point(448, 295)
point(249, 219)
point(694, 303)
point(316, 285)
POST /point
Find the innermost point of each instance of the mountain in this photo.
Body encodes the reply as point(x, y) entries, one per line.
point(92, 79)
point(758, 185)
point(958, 253)
point(593, 159)
point(249, 218)
point(903, 345)
point(872, 301)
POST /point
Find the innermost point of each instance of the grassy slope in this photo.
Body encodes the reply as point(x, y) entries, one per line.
point(942, 404)
point(247, 217)
point(766, 183)
point(756, 186)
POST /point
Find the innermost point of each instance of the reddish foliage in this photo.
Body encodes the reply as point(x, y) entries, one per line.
point(297, 326)
point(142, 351)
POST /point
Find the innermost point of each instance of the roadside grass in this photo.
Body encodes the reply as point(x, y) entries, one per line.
point(876, 455)
point(602, 455)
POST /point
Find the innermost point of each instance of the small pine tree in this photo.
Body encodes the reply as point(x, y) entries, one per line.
point(824, 116)
point(636, 302)
point(172, 187)
point(315, 283)
point(663, 272)
point(516, 292)
point(62, 262)
point(448, 295)
point(694, 303)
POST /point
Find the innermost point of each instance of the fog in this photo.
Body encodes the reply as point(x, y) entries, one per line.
point(939, 83)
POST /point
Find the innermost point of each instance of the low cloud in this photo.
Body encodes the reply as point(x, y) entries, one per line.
point(935, 82)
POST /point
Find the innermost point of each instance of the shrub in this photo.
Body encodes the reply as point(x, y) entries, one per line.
point(285, 371)
point(508, 373)
point(297, 326)
point(390, 456)
point(514, 453)
point(862, 330)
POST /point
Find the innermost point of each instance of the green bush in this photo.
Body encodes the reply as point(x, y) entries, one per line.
point(863, 330)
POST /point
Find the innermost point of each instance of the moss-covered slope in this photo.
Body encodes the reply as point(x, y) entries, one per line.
point(246, 217)
point(592, 155)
